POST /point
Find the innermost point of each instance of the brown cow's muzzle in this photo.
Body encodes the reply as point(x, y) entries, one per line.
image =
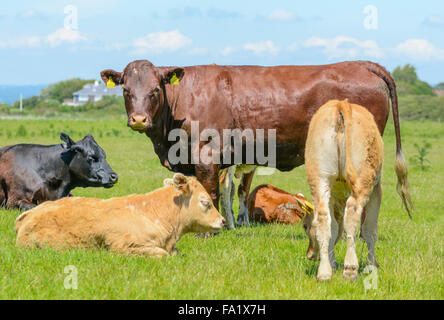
point(138, 122)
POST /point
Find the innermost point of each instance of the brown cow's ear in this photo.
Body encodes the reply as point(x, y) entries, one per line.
point(181, 184)
point(173, 76)
point(107, 74)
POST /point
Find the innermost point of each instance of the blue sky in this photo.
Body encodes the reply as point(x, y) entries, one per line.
point(37, 46)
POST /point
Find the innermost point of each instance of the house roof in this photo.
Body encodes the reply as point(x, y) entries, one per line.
point(98, 89)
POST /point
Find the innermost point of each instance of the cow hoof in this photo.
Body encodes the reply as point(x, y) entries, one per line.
point(324, 277)
point(205, 235)
point(350, 272)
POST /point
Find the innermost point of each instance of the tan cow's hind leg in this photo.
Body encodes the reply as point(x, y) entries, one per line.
point(148, 251)
point(370, 226)
point(352, 219)
point(322, 224)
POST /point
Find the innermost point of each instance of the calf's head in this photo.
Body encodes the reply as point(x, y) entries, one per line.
point(87, 163)
point(198, 211)
point(143, 87)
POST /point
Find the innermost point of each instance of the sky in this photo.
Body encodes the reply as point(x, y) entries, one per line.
point(46, 41)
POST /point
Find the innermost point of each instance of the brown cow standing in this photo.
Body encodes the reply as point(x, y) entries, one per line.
point(283, 98)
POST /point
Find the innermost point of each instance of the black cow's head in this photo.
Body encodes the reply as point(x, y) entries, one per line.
point(87, 163)
point(143, 90)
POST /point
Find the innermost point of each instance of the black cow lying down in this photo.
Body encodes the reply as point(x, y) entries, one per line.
point(31, 174)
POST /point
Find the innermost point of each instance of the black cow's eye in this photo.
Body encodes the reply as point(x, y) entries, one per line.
point(93, 159)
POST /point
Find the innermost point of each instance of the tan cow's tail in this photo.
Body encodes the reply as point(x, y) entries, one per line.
point(19, 220)
point(345, 111)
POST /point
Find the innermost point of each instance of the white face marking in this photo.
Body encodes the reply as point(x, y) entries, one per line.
point(131, 207)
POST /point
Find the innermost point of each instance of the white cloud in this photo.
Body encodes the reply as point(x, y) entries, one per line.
point(228, 50)
point(293, 47)
point(280, 15)
point(19, 42)
point(434, 21)
point(420, 49)
point(198, 51)
point(64, 35)
point(159, 42)
point(262, 47)
point(346, 47)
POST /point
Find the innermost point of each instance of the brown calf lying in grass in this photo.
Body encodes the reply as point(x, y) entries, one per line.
point(343, 156)
point(149, 224)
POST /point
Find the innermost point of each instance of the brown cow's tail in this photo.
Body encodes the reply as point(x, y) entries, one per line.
point(400, 165)
point(403, 185)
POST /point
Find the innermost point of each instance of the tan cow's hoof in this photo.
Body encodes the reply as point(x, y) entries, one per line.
point(350, 272)
point(324, 277)
point(205, 235)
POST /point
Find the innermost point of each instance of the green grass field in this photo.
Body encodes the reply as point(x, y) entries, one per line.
point(260, 262)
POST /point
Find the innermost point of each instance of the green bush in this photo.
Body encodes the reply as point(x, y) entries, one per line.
point(420, 107)
point(63, 89)
point(21, 131)
point(407, 81)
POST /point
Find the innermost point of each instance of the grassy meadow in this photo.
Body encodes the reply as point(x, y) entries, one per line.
point(260, 262)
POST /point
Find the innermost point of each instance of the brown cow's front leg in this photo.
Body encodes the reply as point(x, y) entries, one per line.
point(243, 192)
point(208, 176)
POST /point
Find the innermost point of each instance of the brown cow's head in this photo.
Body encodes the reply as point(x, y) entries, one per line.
point(143, 89)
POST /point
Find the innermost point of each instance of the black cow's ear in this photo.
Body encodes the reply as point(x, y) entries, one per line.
point(79, 149)
point(173, 76)
point(107, 74)
point(65, 138)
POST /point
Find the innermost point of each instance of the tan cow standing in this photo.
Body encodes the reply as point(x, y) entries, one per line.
point(149, 224)
point(343, 156)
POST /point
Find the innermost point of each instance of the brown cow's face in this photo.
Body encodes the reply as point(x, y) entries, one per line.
point(201, 215)
point(143, 90)
point(313, 249)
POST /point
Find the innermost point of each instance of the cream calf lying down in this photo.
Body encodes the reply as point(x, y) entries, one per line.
point(343, 156)
point(149, 224)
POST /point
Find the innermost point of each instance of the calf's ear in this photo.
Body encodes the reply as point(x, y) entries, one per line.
point(65, 138)
point(173, 76)
point(168, 183)
point(181, 184)
point(107, 74)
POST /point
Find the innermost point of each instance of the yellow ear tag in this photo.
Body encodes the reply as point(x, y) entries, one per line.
point(174, 80)
point(308, 204)
point(110, 84)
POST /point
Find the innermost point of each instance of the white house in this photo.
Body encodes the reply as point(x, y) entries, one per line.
point(92, 92)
